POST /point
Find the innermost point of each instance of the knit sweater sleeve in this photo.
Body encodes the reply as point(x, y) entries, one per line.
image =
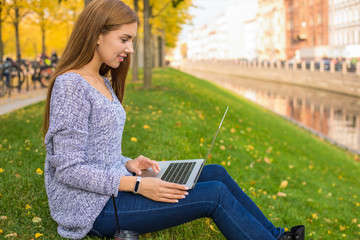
point(68, 131)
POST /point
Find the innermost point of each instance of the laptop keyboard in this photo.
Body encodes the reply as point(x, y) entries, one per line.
point(178, 172)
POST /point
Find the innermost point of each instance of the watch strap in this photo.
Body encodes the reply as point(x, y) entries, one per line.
point(137, 185)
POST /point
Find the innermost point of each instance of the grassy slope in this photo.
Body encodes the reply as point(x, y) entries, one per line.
point(259, 149)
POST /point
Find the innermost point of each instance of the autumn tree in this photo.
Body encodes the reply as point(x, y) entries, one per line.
point(46, 15)
point(167, 16)
point(17, 10)
point(135, 59)
point(2, 19)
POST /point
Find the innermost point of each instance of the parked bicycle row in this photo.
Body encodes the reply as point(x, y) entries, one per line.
point(14, 74)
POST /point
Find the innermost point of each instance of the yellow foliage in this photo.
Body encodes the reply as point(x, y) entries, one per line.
point(58, 22)
point(58, 19)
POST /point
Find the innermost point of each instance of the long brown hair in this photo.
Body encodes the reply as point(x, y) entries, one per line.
point(98, 17)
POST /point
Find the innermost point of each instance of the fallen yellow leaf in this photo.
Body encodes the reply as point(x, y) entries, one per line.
point(27, 207)
point(36, 219)
point(39, 171)
point(146, 126)
point(267, 160)
point(37, 235)
point(207, 221)
point(283, 184)
point(133, 139)
point(281, 194)
point(1, 170)
point(11, 235)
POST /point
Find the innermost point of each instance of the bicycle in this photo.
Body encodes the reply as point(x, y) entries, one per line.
point(3, 81)
point(12, 76)
point(41, 74)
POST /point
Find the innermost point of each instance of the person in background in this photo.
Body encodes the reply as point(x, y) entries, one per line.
point(54, 58)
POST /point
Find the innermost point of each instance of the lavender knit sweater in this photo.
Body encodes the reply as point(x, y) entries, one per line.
point(83, 164)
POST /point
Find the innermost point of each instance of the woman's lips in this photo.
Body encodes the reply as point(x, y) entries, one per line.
point(120, 58)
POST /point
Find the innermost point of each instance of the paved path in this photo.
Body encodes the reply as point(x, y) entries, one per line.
point(22, 99)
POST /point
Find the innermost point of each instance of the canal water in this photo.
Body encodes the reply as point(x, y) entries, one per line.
point(333, 115)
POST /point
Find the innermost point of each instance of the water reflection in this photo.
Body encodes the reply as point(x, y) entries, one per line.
point(333, 115)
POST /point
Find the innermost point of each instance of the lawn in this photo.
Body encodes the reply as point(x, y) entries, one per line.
point(293, 176)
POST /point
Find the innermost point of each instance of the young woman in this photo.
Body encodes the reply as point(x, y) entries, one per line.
point(83, 125)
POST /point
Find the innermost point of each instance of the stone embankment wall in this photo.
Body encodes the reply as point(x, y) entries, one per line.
point(340, 82)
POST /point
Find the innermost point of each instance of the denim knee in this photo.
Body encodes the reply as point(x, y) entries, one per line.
point(217, 169)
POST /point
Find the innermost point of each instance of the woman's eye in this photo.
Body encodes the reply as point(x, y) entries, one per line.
point(123, 40)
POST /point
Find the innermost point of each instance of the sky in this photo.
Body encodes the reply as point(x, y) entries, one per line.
point(207, 10)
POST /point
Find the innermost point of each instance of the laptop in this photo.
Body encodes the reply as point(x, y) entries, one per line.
point(185, 172)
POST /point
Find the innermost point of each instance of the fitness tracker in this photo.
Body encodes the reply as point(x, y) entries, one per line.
point(137, 185)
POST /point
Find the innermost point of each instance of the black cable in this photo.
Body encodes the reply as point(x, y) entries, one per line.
point(116, 216)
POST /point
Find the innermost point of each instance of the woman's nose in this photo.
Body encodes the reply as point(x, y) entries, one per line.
point(129, 49)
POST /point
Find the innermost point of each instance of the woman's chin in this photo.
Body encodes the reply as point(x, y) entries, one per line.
point(114, 65)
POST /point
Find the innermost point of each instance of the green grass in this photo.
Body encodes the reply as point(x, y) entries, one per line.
point(257, 147)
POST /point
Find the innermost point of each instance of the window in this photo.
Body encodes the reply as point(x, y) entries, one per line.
point(345, 17)
point(319, 40)
point(336, 19)
point(290, 25)
point(356, 37)
point(351, 37)
point(340, 18)
point(319, 16)
point(345, 38)
point(356, 15)
point(335, 39)
point(340, 37)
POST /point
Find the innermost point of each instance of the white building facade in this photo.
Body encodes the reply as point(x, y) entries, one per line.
point(225, 37)
point(344, 28)
point(271, 35)
point(250, 39)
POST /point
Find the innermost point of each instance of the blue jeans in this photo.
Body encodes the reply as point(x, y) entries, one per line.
point(216, 195)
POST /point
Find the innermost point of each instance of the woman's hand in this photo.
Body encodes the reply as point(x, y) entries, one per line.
point(161, 191)
point(141, 163)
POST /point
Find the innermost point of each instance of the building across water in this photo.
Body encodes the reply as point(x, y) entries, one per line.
point(281, 30)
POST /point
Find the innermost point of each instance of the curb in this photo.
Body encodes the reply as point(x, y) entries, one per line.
point(20, 103)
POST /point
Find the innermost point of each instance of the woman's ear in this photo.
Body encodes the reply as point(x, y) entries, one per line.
point(99, 39)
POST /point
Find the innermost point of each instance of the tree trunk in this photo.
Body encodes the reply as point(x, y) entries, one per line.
point(16, 25)
point(162, 47)
point(1, 41)
point(147, 45)
point(86, 2)
point(155, 53)
point(43, 40)
point(135, 62)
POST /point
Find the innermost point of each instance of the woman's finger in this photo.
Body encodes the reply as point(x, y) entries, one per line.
point(174, 186)
point(166, 200)
point(155, 166)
